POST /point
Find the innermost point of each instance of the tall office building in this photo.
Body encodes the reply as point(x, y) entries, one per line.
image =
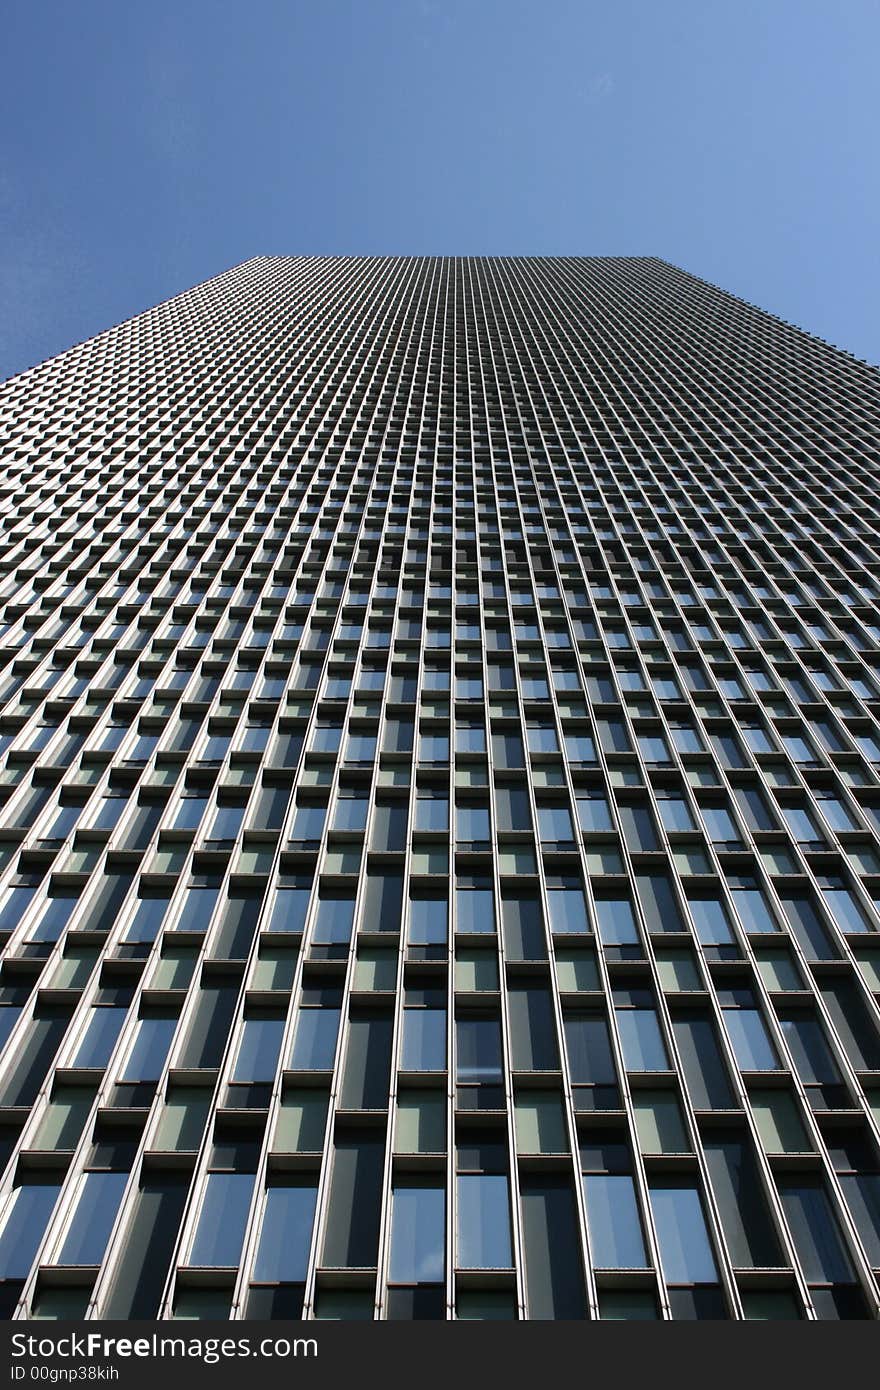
point(440, 820)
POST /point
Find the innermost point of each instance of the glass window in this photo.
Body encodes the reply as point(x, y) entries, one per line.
point(483, 1221)
point(658, 903)
point(418, 1227)
point(594, 814)
point(427, 920)
point(844, 909)
point(638, 827)
point(554, 824)
point(752, 908)
point(302, 1120)
point(568, 912)
point(100, 1037)
point(146, 1058)
point(815, 1230)
point(719, 825)
point(711, 921)
point(659, 1123)
point(27, 1217)
point(750, 1040)
point(540, 1124)
point(182, 1120)
point(641, 1040)
point(289, 908)
point(334, 919)
point(532, 1029)
point(258, 1050)
point(147, 920)
point(286, 1234)
point(97, 1207)
point(65, 1117)
point(512, 808)
point(474, 910)
point(675, 814)
point(685, 1250)
point(811, 1054)
point(308, 823)
point(742, 1206)
point(522, 925)
point(314, 1041)
point(220, 1231)
point(478, 1048)
point(421, 1122)
point(617, 925)
point(472, 824)
point(615, 1229)
point(424, 1040)
point(350, 813)
point(432, 813)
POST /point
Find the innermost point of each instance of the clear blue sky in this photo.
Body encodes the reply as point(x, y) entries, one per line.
point(149, 144)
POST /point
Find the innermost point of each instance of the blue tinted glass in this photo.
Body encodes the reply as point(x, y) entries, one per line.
point(685, 1252)
point(613, 1221)
point(424, 1040)
point(258, 1050)
point(750, 1041)
point(675, 813)
point(427, 921)
point(541, 738)
point(554, 823)
point(351, 813)
point(96, 1210)
point(472, 823)
point(483, 1221)
point(568, 911)
point(25, 1226)
point(710, 920)
point(844, 909)
point(283, 1252)
point(14, 905)
point(54, 918)
point(752, 910)
point(580, 748)
point(478, 1045)
point(99, 1038)
point(617, 926)
point(719, 824)
point(641, 1040)
point(314, 1043)
point(226, 823)
point(198, 907)
point(432, 813)
point(594, 814)
point(8, 1019)
point(474, 910)
point(418, 1222)
point(147, 920)
point(289, 909)
point(147, 1057)
point(334, 920)
point(220, 1233)
point(308, 823)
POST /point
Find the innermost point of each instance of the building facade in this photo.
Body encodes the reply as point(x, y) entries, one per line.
point(440, 824)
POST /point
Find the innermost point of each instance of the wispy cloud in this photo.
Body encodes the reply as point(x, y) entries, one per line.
point(599, 87)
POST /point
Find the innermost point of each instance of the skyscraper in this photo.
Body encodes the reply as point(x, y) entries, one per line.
point(440, 803)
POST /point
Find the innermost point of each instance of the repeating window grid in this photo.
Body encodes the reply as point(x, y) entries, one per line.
point(520, 517)
point(592, 1296)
